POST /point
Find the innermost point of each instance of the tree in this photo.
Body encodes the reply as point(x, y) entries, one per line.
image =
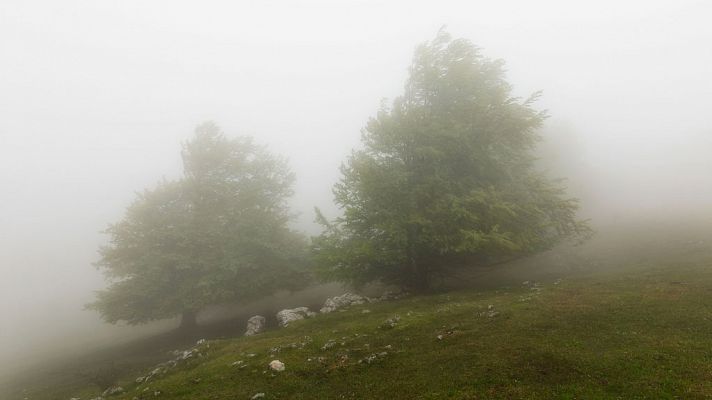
point(217, 235)
point(445, 179)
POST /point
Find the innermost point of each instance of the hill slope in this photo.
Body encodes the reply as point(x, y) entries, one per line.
point(645, 333)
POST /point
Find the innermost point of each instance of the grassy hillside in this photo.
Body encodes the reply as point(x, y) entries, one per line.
point(631, 319)
point(645, 333)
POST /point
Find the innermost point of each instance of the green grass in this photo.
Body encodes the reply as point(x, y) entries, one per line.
point(641, 334)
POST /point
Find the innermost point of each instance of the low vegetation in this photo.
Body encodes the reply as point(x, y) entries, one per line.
point(644, 332)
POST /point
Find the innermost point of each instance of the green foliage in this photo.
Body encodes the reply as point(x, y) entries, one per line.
point(445, 178)
point(217, 235)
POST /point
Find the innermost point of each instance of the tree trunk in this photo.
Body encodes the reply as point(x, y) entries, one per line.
point(188, 320)
point(419, 275)
point(422, 278)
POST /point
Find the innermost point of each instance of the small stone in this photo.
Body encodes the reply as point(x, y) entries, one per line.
point(258, 396)
point(112, 391)
point(276, 365)
point(390, 323)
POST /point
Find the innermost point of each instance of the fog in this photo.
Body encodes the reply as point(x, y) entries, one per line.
point(97, 97)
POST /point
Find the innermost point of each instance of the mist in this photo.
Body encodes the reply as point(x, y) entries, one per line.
point(96, 100)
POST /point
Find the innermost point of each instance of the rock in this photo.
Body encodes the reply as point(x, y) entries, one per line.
point(345, 300)
point(328, 345)
point(373, 357)
point(258, 396)
point(276, 365)
point(390, 323)
point(112, 391)
point(255, 325)
point(490, 313)
point(286, 316)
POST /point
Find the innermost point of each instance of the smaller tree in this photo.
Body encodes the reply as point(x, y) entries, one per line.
point(217, 235)
point(445, 179)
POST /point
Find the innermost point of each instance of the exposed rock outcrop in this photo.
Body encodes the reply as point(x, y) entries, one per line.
point(255, 325)
point(286, 316)
point(345, 300)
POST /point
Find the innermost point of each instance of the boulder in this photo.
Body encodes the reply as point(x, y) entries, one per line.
point(345, 300)
point(255, 325)
point(286, 316)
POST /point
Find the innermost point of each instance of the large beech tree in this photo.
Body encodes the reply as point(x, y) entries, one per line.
point(445, 178)
point(219, 234)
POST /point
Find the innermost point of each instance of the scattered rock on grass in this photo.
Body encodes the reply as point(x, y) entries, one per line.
point(373, 358)
point(276, 365)
point(112, 391)
point(390, 323)
point(490, 313)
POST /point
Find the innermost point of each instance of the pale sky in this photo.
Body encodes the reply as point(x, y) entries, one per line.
point(97, 96)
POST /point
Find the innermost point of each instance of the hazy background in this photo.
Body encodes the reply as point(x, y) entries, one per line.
point(97, 96)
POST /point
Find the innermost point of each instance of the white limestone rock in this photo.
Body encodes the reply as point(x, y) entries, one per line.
point(255, 325)
point(345, 300)
point(286, 316)
point(276, 365)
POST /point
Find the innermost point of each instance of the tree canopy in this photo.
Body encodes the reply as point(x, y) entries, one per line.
point(445, 178)
point(219, 234)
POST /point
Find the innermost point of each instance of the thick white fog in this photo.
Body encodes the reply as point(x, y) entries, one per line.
point(97, 97)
